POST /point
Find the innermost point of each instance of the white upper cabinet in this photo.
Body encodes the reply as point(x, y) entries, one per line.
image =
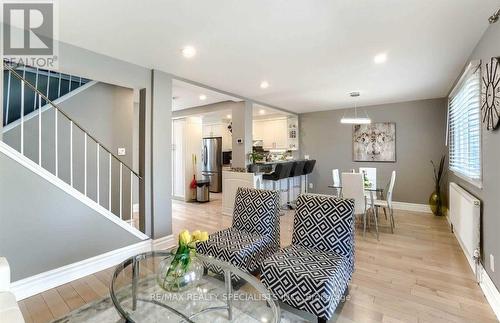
point(275, 133)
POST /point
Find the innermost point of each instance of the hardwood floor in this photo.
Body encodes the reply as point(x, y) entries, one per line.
point(418, 274)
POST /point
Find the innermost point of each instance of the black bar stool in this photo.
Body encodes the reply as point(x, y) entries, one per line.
point(281, 171)
point(297, 171)
point(308, 168)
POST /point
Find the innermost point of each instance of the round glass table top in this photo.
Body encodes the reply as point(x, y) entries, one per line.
point(138, 296)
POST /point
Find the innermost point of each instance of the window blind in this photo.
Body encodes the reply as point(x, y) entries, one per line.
point(464, 125)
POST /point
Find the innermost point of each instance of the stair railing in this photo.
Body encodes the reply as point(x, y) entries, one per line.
point(124, 169)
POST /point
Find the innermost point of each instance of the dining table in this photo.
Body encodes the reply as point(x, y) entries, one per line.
point(372, 191)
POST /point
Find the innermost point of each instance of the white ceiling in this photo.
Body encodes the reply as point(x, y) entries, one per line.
point(186, 96)
point(312, 52)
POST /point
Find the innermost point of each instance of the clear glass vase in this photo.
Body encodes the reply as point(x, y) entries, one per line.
point(179, 277)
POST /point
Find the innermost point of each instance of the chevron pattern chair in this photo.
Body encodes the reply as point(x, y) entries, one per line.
point(314, 272)
point(254, 234)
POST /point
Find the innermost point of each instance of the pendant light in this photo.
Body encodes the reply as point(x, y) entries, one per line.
point(355, 119)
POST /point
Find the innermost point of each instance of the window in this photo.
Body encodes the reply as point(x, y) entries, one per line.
point(464, 125)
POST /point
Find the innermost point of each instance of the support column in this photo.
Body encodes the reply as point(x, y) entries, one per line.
point(242, 134)
point(160, 155)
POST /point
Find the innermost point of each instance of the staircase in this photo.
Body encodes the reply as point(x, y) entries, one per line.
point(40, 135)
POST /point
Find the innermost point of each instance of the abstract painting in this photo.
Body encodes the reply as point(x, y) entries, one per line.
point(375, 142)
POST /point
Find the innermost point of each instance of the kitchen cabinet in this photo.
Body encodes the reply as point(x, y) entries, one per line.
point(275, 133)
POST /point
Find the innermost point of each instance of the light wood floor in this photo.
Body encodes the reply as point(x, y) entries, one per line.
point(418, 274)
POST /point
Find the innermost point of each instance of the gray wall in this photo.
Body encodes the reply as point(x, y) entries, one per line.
point(420, 137)
point(106, 112)
point(37, 234)
point(489, 46)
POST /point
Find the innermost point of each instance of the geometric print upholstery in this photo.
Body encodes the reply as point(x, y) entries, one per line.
point(307, 279)
point(313, 273)
point(257, 211)
point(325, 223)
point(254, 235)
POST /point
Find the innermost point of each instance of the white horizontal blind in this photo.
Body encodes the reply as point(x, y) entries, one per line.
point(464, 125)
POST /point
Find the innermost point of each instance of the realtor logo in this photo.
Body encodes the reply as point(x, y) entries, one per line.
point(28, 33)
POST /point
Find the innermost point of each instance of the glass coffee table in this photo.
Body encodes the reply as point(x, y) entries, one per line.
point(138, 297)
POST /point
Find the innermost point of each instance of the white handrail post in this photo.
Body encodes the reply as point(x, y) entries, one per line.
point(59, 86)
point(22, 116)
point(8, 99)
point(36, 87)
point(71, 152)
point(121, 191)
point(39, 130)
point(109, 181)
point(85, 164)
point(56, 141)
point(98, 201)
point(131, 198)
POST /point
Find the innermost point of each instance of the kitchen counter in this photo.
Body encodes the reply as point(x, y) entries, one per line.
point(231, 181)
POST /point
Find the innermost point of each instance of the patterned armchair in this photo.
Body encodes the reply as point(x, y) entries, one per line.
point(313, 273)
point(254, 235)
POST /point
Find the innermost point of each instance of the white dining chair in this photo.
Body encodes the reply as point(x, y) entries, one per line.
point(387, 203)
point(336, 182)
point(353, 188)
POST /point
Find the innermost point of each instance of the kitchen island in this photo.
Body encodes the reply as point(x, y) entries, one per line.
point(231, 180)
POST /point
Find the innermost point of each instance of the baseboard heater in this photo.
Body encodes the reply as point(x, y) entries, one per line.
point(465, 218)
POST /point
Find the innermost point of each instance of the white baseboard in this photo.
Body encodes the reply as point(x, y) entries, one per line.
point(33, 285)
point(490, 291)
point(414, 207)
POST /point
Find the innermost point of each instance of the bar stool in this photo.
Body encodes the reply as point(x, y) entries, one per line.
point(281, 171)
point(297, 171)
point(308, 168)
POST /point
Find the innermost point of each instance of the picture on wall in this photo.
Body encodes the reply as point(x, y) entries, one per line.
point(375, 142)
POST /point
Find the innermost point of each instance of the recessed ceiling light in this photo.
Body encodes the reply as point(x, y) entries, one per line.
point(380, 58)
point(262, 111)
point(229, 116)
point(188, 51)
point(203, 97)
point(264, 85)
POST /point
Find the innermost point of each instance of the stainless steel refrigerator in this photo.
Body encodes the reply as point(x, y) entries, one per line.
point(211, 162)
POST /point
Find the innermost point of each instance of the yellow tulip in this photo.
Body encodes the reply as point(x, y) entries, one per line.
point(196, 235)
point(204, 236)
point(184, 237)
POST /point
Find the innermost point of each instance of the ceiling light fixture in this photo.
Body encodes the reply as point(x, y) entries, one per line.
point(262, 111)
point(203, 97)
point(229, 116)
point(494, 18)
point(380, 58)
point(356, 119)
point(188, 51)
point(264, 85)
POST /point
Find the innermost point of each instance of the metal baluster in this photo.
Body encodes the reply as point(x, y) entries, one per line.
point(56, 142)
point(36, 86)
point(131, 198)
point(98, 201)
point(39, 130)
point(70, 83)
point(121, 191)
point(71, 152)
point(80, 82)
point(85, 164)
point(48, 85)
point(109, 181)
point(8, 98)
point(22, 115)
point(59, 87)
